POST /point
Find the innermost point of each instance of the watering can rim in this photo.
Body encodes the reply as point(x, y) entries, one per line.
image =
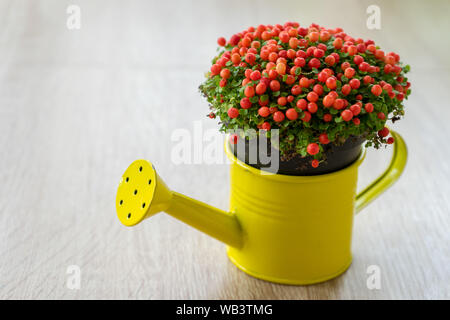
point(288, 178)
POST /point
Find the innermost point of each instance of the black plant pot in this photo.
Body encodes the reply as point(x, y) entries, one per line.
point(337, 157)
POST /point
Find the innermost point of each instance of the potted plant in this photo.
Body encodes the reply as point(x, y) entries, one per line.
point(325, 91)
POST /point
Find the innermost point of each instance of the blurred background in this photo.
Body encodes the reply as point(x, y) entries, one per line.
point(78, 105)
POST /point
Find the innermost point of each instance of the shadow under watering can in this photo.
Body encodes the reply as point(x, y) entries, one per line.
point(280, 228)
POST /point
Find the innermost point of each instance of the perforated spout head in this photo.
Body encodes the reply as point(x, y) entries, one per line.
point(141, 193)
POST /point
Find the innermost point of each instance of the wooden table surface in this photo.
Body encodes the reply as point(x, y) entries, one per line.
point(77, 106)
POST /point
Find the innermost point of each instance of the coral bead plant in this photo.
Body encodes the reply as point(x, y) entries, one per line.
point(316, 85)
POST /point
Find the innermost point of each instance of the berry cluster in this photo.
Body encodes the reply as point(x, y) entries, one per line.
point(316, 85)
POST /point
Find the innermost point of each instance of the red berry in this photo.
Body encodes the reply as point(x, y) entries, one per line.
point(266, 126)
point(371, 48)
point(233, 113)
point(278, 116)
point(223, 83)
point(368, 107)
point(234, 138)
point(249, 92)
point(221, 41)
point(293, 42)
point(306, 117)
point(334, 94)
point(376, 90)
point(222, 61)
point(358, 59)
point(246, 42)
point(367, 79)
point(312, 97)
point(315, 163)
point(322, 76)
point(361, 47)
point(356, 121)
point(312, 107)
point(215, 69)
point(291, 114)
point(304, 82)
point(313, 36)
point(282, 101)
point(234, 40)
point(387, 87)
point(338, 104)
point(318, 88)
point(390, 140)
point(337, 43)
point(273, 109)
point(346, 89)
point(354, 83)
point(330, 60)
point(381, 116)
point(250, 58)
point(296, 90)
point(212, 115)
point(255, 75)
point(323, 138)
point(313, 148)
point(327, 117)
point(291, 54)
point(245, 103)
point(363, 66)
point(302, 104)
point(290, 79)
point(299, 62)
point(225, 73)
point(284, 36)
point(331, 83)
point(355, 109)
point(264, 112)
point(275, 85)
point(261, 88)
point(349, 72)
point(352, 50)
point(383, 132)
point(328, 101)
point(318, 53)
point(314, 63)
point(345, 65)
point(235, 58)
point(347, 115)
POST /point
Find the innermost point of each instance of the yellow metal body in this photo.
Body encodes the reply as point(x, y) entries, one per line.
point(285, 229)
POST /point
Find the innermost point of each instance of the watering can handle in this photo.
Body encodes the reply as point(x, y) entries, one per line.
point(388, 177)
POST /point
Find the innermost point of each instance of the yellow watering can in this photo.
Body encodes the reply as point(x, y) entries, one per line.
point(280, 228)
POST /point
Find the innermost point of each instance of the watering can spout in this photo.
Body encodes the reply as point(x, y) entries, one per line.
point(142, 194)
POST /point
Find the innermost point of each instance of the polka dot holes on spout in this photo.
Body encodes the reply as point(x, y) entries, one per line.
point(135, 192)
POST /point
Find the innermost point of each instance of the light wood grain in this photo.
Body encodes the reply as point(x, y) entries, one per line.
point(76, 107)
